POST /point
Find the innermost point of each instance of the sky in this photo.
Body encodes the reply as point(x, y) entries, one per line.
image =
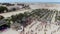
point(10, 1)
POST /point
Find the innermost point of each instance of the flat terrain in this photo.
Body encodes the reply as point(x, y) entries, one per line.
point(37, 26)
point(33, 6)
point(13, 13)
point(46, 6)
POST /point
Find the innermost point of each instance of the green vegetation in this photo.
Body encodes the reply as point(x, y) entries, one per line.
point(24, 18)
point(58, 18)
point(2, 8)
point(45, 33)
point(8, 21)
point(1, 17)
